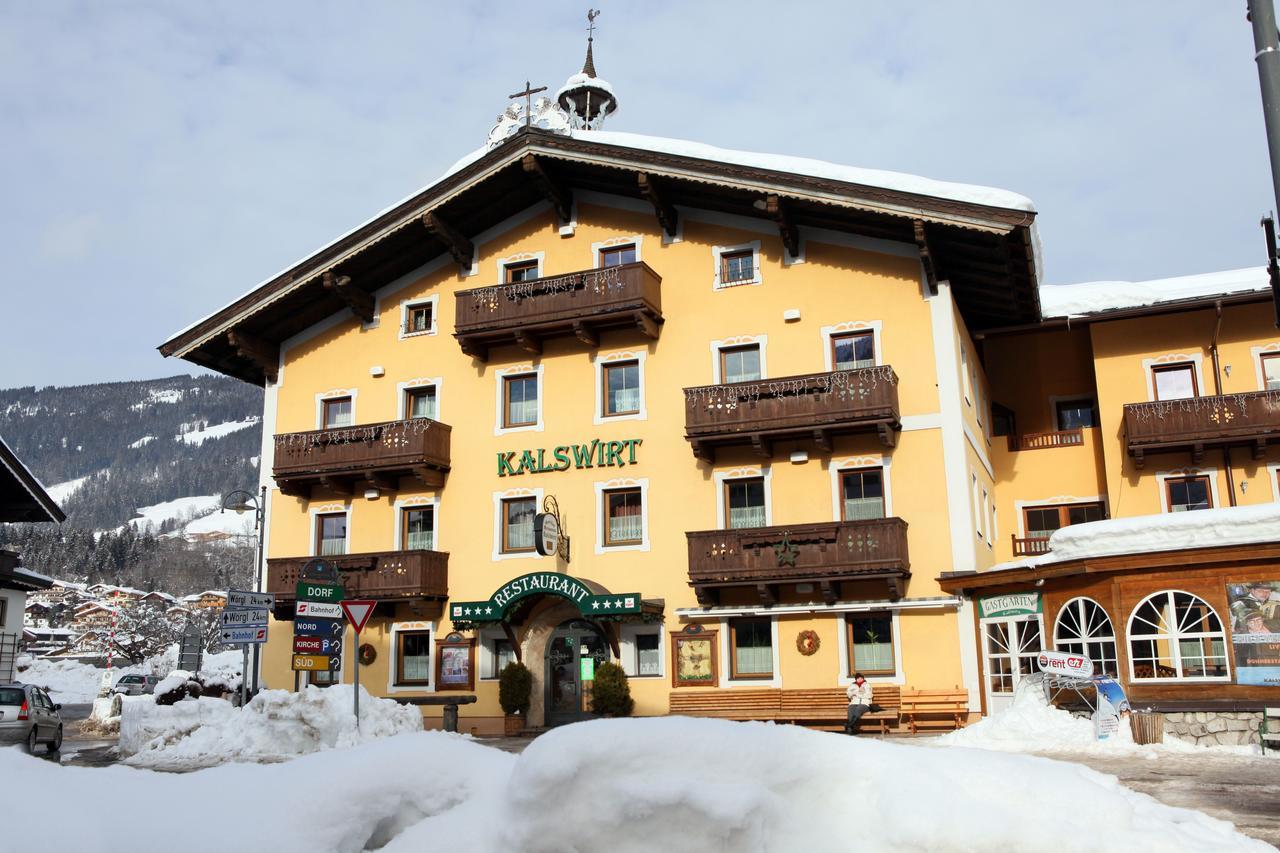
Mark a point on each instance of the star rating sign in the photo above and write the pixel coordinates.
(618, 603)
(488, 611)
(466, 611)
(595, 605)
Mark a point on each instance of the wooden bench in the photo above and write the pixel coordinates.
(822, 708)
(935, 708)
(829, 707)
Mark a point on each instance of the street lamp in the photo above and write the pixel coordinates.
(241, 502)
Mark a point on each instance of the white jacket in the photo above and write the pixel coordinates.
(859, 695)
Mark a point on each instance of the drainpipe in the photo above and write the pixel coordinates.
(1217, 390)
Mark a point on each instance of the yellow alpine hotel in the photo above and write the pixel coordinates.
(744, 424)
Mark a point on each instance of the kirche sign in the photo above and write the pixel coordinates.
(1064, 663)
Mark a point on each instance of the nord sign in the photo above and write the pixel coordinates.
(1062, 663)
(318, 627)
(597, 454)
(320, 592)
(318, 608)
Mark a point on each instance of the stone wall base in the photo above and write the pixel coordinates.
(1214, 728)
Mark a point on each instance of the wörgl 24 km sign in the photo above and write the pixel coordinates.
(244, 618)
(309, 627)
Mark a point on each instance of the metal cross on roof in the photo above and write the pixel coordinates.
(528, 94)
(592, 14)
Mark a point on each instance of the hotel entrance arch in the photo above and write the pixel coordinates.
(573, 652)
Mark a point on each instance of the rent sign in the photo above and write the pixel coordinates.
(597, 454)
(1063, 663)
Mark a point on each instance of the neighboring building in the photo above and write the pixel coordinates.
(765, 395)
(22, 498)
(209, 599)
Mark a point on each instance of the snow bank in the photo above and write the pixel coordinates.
(1031, 724)
(69, 682)
(1074, 300)
(274, 726)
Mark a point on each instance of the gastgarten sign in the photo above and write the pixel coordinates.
(597, 454)
(1012, 604)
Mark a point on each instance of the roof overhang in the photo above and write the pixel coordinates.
(22, 497)
(986, 253)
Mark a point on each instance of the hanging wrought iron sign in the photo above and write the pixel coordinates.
(549, 538)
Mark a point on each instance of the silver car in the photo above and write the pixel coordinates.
(28, 715)
(136, 685)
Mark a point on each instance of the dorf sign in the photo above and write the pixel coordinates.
(597, 454)
(1062, 663)
(1013, 604)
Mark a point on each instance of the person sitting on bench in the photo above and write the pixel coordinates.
(859, 694)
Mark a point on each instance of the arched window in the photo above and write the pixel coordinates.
(1084, 628)
(1177, 635)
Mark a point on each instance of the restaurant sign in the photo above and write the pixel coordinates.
(545, 583)
(597, 454)
(1013, 604)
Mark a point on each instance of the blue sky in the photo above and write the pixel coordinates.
(160, 158)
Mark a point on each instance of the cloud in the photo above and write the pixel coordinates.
(161, 158)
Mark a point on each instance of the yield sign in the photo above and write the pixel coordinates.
(358, 613)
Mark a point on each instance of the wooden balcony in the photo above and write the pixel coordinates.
(814, 406)
(1029, 546)
(1046, 440)
(379, 575)
(348, 459)
(824, 553)
(577, 304)
(1250, 420)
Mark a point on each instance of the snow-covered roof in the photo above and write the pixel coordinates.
(35, 576)
(1147, 534)
(1096, 297)
(39, 506)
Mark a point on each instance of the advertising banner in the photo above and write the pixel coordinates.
(1113, 706)
(1064, 663)
(1255, 631)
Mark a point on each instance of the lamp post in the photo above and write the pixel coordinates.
(241, 502)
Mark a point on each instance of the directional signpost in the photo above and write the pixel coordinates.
(317, 622)
(244, 624)
(358, 612)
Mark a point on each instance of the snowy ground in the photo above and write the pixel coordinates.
(618, 785)
(72, 682)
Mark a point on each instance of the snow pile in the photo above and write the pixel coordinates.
(1074, 300)
(1031, 724)
(69, 682)
(200, 436)
(274, 726)
(172, 681)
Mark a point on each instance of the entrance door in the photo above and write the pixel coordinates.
(574, 651)
(1011, 646)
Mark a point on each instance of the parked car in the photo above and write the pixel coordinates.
(28, 715)
(136, 685)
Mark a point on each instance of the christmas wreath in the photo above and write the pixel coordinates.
(368, 654)
(807, 642)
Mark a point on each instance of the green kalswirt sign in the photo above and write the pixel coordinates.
(545, 583)
(596, 454)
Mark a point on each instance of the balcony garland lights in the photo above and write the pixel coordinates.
(599, 281)
(395, 434)
(841, 384)
(1219, 408)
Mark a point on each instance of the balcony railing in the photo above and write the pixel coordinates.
(577, 304)
(1044, 440)
(379, 575)
(824, 553)
(1030, 546)
(1250, 419)
(816, 406)
(376, 455)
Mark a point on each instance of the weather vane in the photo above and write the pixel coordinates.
(592, 14)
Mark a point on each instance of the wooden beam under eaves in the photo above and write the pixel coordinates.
(359, 301)
(462, 249)
(786, 228)
(264, 355)
(662, 207)
(560, 196)
(926, 256)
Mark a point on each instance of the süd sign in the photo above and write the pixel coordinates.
(597, 454)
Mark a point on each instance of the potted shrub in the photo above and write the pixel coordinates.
(610, 693)
(515, 684)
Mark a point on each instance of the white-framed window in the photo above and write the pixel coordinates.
(643, 650)
(862, 492)
(411, 668)
(977, 515)
(496, 652)
(1174, 376)
(513, 512)
(336, 408)
(748, 651)
(1084, 628)
(743, 498)
(417, 524)
(852, 345)
(419, 398)
(622, 515)
(419, 316)
(617, 251)
(867, 647)
(620, 387)
(985, 513)
(330, 530)
(736, 265)
(1177, 636)
(739, 359)
(965, 376)
(1188, 489)
(518, 399)
(1266, 366)
(521, 267)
